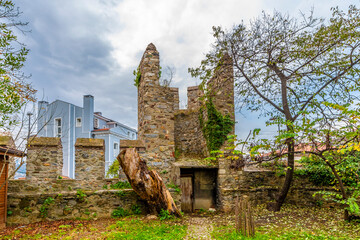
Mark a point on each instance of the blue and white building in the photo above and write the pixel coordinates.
(68, 121)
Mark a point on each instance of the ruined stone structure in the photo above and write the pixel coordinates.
(44, 161)
(173, 137)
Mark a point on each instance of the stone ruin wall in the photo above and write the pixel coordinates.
(44, 164)
(156, 105)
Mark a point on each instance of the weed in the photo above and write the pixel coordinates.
(80, 195)
(165, 215)
(105, 186)
(136, 209)
(121, 185)
(120, 212)
(120, 193)
(175, 187)
(45, 207)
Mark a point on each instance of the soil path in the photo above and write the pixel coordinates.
(199, 228)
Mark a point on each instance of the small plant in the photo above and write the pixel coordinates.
(165, 215)
(121, 185)
(164, 172)
(28, 209)
(59, 177)
(120, 193)
(45, 207)
(70, 188)
(105, 186)
(80, 195)
(9, 213)
(87, 212)
(136, 209)
(175, 187)
(119, 212)
(137, 78)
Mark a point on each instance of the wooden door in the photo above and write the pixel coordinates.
(186, 194)
(204, 189)
(3, 192)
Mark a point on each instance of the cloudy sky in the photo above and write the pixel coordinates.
(80, 47)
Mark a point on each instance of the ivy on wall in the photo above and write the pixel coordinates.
(215, 127)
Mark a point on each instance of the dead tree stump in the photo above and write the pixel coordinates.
(244, 219)
(146, 183)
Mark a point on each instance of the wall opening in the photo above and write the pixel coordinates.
(198, 188)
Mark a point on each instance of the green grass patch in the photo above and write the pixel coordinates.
(137, 229)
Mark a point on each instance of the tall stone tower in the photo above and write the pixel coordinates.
(156, 106)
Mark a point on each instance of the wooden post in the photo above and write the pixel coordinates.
(244, 219)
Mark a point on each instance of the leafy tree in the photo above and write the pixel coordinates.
(288, 68)
(14, 90)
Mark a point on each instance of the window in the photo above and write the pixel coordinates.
(78, 122)
(129, 134)
(58, 130)
(96, 123)
(133, 135)
(116, 146)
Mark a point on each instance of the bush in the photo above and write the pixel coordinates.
(120, 212)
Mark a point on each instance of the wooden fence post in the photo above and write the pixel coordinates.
(244, 219)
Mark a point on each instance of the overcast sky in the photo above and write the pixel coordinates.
(80, 47)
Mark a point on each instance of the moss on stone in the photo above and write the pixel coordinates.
(45, 141)
(89, 142)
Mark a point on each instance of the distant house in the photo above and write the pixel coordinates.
(68, 121)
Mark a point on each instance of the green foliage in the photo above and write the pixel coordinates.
(105, 186)
(45, 207)
(175, 187)
(120, 212)
(113, 171)
(121, 185)
(136, 209)
(216, 127)
(316, 170)
(165, 215)
(9, 213)
(137, 78)
(80, 195)
(120, 193)
(14, 90)
(137, 229)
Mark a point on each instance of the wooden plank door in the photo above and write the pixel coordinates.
(3, 193)
(186, 194)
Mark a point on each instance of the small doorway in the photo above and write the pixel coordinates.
(198, 188)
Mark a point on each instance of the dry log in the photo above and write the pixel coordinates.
(146, 183)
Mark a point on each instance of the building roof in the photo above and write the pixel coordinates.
(108, 120)
(11, 152)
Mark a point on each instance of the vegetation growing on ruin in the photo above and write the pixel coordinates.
(137, 78)
(215, 126)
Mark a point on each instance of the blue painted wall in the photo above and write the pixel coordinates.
(78, 122)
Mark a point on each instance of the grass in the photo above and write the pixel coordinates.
(294, 223)
(126, 228)
(290, 223)
(136, 229)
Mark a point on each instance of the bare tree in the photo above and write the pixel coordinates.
(287, 67)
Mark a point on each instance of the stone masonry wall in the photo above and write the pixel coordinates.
(261, 186)
(221, 87)
(89, 159)
(156, 114)
(25, 208)
(44, 158)
(189, 140)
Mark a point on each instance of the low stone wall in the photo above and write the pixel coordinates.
(26, 199)
(263, 186)
(55, 186)
(29, 208)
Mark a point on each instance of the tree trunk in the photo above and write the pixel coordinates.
(146, 183)
(276, 206)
